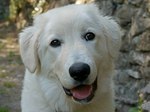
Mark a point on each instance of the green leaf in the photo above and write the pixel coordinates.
(134, 109)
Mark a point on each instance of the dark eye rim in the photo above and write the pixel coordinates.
(89, 36)
(55, 43)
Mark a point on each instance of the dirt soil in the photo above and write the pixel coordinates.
(11, 71)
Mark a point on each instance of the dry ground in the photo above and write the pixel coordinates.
(11, 71)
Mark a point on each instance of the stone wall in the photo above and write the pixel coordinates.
(132, 78)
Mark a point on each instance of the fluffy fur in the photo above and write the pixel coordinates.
(47, 67)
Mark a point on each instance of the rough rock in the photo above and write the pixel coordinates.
(143, 43)
(121, 76)
(133, 74)
(145, 72)
(135, 2)
(146, 106)
(118, 1)
(146, 90)
(138, 58)
(139, 25)
(124, 13)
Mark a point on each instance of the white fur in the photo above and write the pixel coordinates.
(47, 67)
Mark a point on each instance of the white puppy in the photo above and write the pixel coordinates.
(69, 54)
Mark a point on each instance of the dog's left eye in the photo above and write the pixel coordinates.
(55, 43)
(89, 36)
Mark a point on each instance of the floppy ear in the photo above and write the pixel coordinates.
(28, 48)
(113, 37)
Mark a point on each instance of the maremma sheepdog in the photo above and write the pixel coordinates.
(69, 55)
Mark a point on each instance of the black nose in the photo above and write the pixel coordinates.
(79, 71)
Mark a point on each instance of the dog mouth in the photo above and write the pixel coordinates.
(82, 93)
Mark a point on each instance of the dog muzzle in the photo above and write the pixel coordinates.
(82, 93)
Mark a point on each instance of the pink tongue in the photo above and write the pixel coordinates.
(81, 92)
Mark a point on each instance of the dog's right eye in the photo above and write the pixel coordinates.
(89, 36)
(55, 43)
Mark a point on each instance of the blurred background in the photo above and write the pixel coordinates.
(132, 78)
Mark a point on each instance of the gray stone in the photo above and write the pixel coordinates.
(143, 43)
(145, 71)
(121, 77)
(136, 58)
(122, 61)
(126, 46)
(129, 90)
(135, 41)
(146, 89)
(135, 2)
(133, 74)
(139, 58)
(118, 1)
(146, 106)
(139, 25)
(124, 13)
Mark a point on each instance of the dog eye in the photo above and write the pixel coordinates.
(89, 36)
(55, 43)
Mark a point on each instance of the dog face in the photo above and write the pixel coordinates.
(71, 44)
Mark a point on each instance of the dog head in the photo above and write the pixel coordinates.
(74, 44)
